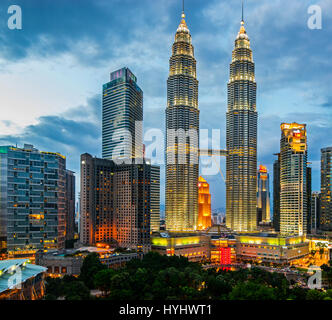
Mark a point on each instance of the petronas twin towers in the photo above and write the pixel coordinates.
(182, 130)
(182, 137)
(241, 138)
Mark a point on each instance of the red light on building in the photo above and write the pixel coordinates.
(225, 255)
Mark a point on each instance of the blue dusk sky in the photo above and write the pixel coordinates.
(52, 71)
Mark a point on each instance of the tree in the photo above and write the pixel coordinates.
(252, 291)
(91, 266)
(315, 295)
(54, 288)
(76, 290)
(102, 280)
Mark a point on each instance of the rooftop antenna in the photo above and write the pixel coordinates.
(242, 12)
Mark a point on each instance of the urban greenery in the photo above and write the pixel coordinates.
(158, 277)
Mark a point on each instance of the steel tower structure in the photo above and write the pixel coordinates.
(241, 138)
(182, 135)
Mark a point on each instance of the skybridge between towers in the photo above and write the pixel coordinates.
(213, 152)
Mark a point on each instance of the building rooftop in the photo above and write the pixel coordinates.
(20, 269)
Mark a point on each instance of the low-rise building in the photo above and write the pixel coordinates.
(118, 260)
(20, 280)
(60, 263)
(223, 250)
(271, 247)
(194, 246)
(69, 262)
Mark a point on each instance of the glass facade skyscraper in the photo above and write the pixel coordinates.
(155, 199)
(33, 207)
(263, 195)
(70, 205)
(122, 117)
(315, 212)
(293, 179)
(182, 135)
(326, 189)
(241, 139)
(276, 193)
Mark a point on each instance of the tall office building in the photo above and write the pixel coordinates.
(155, 199)
(293, 179)
(315, 212)
(326, 189)
(122, 117)
(263, 196)
(116, 202)
(70, 205)
(309, 218)
(276, 193)
(33, 206)
(182, 135)
(204, 205)
(241, 138)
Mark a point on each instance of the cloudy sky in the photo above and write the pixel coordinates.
(52, 71)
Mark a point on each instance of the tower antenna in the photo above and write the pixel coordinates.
(242, 12)
(182, 6)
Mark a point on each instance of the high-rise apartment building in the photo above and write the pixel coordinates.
(204, 205)
(241, 138)
(326, 189)
(33, 202)
(293, 179)
(155, 199)
(276, 193)
(263, 196)
(70, 205)
(122, 116)
(116, 202)
(315, 212)
(182, 135)
(309, 184)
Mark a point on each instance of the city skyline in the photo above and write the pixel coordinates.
(70, 132)
(170, 173)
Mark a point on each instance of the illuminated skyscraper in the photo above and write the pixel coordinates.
(155, 199)
(276, 193)
(33, 200)
(122, 116)
(70, 204)
(117, 202)
(263, 195)
(182, 126)
(204, 205)
(326, 189)
(241, 138)
(315, 212)
(309, 218)
(293, 179)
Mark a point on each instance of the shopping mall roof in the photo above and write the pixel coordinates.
(16, 271)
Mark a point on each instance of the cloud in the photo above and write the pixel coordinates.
(56, 65)
(70, 136)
